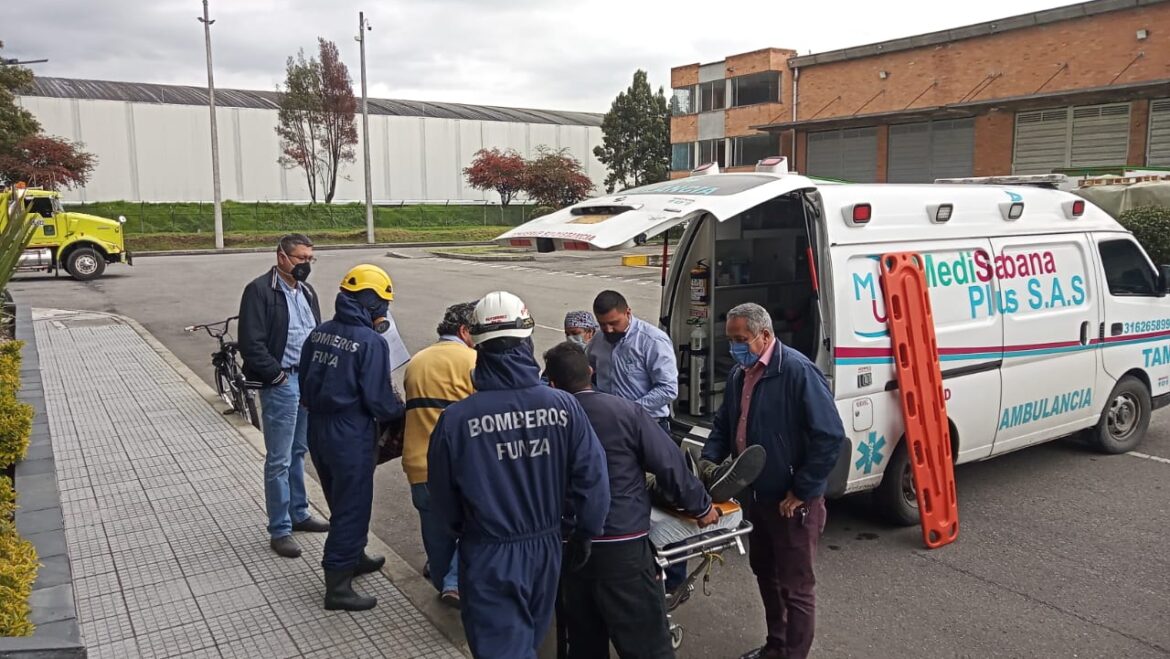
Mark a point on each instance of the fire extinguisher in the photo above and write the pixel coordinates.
(700, 284)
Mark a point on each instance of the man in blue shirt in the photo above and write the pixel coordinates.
(633, 359)
(278, 311)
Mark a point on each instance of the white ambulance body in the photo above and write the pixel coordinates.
(1049, 316)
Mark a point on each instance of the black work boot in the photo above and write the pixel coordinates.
(730, 478)
(339, 593)
(368, 564)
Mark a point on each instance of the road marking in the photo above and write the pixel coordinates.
(1155, 458)
(558, 330)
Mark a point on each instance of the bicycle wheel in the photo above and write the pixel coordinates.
(252, 414)
(223, 386)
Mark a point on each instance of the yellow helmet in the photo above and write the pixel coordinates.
(366, 277)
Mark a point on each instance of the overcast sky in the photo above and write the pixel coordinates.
(555, 54)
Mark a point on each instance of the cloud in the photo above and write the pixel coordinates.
(558, 54)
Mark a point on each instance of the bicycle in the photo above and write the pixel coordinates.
(233, 388)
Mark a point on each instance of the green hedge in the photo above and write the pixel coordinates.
(18, 557)
(144, 217)
(1151, 226)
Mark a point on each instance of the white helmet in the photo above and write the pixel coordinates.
(500, 314)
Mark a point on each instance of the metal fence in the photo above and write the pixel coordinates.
(199, 217)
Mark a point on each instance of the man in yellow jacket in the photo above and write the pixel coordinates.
(436, 377)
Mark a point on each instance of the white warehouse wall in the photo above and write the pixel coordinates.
(161, 152)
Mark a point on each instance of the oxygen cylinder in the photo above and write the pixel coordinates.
(698, 355)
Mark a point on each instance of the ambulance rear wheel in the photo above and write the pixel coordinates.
(895, 499)
(85, 264)
(1125, 418)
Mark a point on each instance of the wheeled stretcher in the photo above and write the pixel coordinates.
(677, 539)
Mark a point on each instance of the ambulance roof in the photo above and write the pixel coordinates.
(898, 212)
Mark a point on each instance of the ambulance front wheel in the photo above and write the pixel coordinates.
(895, 498)
(1125, 417)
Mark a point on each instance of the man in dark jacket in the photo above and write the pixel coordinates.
(345, 385)
(502, 464)
(616, 596)
(278, 310)
(778, 399)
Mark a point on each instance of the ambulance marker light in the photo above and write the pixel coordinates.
(861, 214)
(1011, 210)
(1078, 208)
(941, 213)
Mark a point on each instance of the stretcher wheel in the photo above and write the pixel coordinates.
(676, 635)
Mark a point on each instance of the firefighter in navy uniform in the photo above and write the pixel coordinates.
(505, 466)
(345, 385)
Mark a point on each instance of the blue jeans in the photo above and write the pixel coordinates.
(286, 427)
(436, 540)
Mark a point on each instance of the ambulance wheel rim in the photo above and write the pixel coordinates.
(1123, 416)
(908, 491)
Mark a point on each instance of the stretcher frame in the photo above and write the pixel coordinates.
(709, 547)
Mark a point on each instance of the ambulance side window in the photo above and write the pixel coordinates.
(1127, 271)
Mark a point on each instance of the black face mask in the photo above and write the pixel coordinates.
(300, 271)
(614, 337)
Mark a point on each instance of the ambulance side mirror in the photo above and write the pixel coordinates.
(1164, 280)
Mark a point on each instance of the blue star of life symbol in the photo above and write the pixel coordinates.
(870, 450)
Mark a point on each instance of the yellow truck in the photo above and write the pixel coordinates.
(80, 244)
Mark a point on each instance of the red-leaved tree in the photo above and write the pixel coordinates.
(502, 171)
(555, 178)
(49, 162)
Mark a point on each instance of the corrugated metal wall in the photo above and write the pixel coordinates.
(157, 152)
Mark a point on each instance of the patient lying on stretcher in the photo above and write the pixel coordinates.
(669, 526)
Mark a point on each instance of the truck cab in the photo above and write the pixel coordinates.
(79, 243)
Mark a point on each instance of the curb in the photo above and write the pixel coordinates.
(417, 590)
(319, 248)
(484, 257)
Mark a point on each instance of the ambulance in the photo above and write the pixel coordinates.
(1050, 317)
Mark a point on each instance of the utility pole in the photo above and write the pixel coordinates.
(214, 131)
(363, 27)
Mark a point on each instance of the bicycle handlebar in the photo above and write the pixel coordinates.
(212, 328)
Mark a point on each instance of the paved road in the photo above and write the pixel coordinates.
(1063, 552)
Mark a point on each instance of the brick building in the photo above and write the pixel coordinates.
(1087, 85)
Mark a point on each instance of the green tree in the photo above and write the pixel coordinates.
(16, 123)
(636, 136)
(315, 120)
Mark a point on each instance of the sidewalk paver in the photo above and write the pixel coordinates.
(164, 517)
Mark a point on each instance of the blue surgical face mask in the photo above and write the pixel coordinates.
(743, 354)
(579, 339)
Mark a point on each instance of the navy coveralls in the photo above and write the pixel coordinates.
(503, 462)
(345, 385)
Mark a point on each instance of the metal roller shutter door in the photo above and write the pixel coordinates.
(952, 149)
(1100, 135)
(849, 155)
(922, 152)
(824, 154)
(1041, 143)
(909, 158)
(1159, 144)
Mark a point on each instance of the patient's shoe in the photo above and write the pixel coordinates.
(729, 479)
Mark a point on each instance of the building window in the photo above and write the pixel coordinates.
(683, 101)
(682, 157)
(755, 88)
(712, 95)
(713, 151)
(753, 149)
